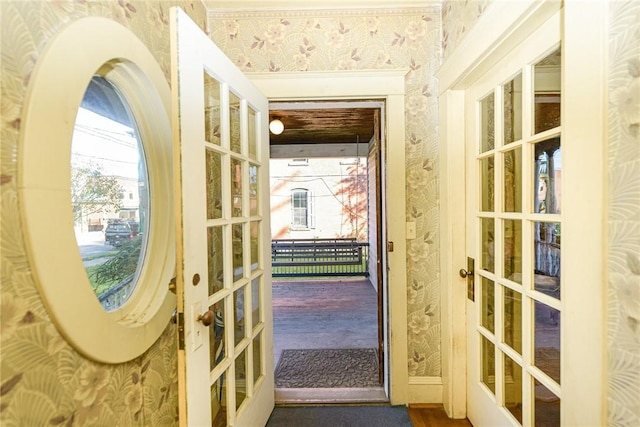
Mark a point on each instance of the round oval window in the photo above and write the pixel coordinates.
(109, 193)
(95, 188)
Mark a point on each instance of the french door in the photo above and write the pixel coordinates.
(514, 236)
(223, 234)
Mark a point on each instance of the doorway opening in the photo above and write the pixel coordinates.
(327, 229)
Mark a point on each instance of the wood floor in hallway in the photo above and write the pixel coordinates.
(433, 416)
(336, 313)
(326, 314)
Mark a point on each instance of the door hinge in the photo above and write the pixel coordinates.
(172, 286)
(389, 246)
(179, 321)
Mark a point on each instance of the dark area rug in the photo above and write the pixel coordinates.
(340, 416)
(328, 368)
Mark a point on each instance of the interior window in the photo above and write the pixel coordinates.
(109, 193)
(97, 144)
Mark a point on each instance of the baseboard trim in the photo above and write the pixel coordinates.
(425, 390)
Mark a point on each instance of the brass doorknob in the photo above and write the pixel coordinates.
(464, 273)
(206, 318)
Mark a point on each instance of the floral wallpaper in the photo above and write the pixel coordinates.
(43, 381)
(363, 40)
(624, 213)
(457, 19)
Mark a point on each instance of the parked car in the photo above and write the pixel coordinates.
(135, 227)
(117, 232)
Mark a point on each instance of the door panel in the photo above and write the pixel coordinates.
(223, 273)
(514, 176)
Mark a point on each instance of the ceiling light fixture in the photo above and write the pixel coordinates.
(276, 126)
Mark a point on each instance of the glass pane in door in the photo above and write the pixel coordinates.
(257, 358)
(487, 186)
(216, 336)
(512, 107)
(547, 84)
(487, 123)
(252, 125)
(238, 315)
(546, 340)
(512, 167)
(236, 187)
(241, 378)
(488, 363)
(512, 247)
(238, 251)
(546, 271)
(512, 387)
(512, 312)
(218, 403)
(548, 176)
(546, 406)
(253, 190)
(487, 302)
(487, 249)
(234, 125)
(213, 161)
(211, 109)
(215, 262)
(255, 302)
(254, 229)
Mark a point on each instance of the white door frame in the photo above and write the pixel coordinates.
(389, 86)
(502, 27)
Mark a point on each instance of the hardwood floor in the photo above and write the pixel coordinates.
(432, 416)
(334, 313)
(330, 313)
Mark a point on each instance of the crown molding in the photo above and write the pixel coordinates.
(284, 86)
(501, 28)
(276, 8)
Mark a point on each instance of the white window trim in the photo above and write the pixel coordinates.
(54, 96)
